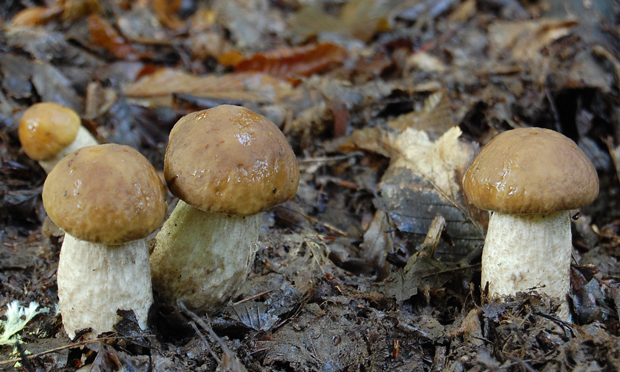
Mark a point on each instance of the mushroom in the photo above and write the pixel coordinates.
(226, 165)
(49, 131)
(107, 199)
(530, 178)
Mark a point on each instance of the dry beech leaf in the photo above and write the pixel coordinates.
(309, 21)
(377, 242)
(422, 271)
(426, 62)
(35, 16)
(525, 39)
(53, 86)
(358, 18)
(244, 87)
(463, 11)
(434, 118)
(74, 10)
(98, 100)
(425, 181)
(363, 18)
(373, 139)
(166, 10)
(104, 35)
(298, 61)
(230, 58)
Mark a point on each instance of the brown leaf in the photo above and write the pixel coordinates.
(104, 35)
(309, 21)
(74, 10)
(53, 86)
(434, 118)
(373, 139)
(358, 18)
(230, 58)
(166, 10)
(363, 18)
(299, 61)
(377, 242)
(35, 16)
(244, 87)
(425, 181)
(526, 39)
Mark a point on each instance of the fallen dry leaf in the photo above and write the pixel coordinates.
(526, 39)
(166, 10)
(426, 62)
(35, 16)
(434, 118)
(377, 242)
(373, 139)
(425, 181)
(244, 86)
(104, 35)
(74, 10)
(292, 62)
(358, 18)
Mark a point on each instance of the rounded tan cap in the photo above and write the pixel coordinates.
(105, 194)
(47, 128)
(230, 160)
(531, 170)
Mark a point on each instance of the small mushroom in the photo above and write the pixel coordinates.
(226, 165)
(49, 131)
(530, 178)
(107, 199)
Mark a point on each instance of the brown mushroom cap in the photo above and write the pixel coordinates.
(531, 170)
(46, 128)
(230, 160)
(105, 194)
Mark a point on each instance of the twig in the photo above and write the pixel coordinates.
(252, 297)
(325, 159)
(450, 271)
(24, 357)
(219, 361)
(554, 109)
(229, 361)
(76, 344)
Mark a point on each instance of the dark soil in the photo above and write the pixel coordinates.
(374, 266)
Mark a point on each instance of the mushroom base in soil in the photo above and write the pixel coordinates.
(86, 303)
(201, 258)
(528, 252)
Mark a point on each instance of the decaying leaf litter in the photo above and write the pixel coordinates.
(375, 264)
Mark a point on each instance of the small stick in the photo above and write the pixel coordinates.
(76, 344)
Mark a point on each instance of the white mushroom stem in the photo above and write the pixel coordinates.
(202, 257)
(525, 252)
(95, 280)
(83, 139)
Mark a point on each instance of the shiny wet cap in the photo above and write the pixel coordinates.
(105, 194)
(531, 170)
(230, 160)
(46, 128)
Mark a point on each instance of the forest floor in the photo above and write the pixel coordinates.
(375, 264)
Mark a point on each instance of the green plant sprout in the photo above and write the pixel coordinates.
(16, 319)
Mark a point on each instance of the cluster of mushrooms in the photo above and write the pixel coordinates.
(227, 165)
